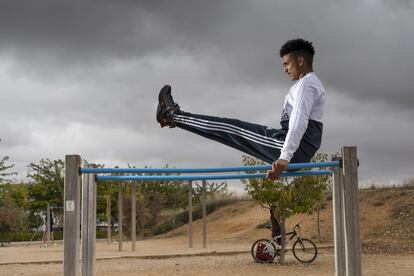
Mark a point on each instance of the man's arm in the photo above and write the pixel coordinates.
(278, 166)
(298, 123)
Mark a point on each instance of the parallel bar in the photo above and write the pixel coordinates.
(292, 166)
(204, 177)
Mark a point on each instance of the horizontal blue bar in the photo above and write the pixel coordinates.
(203, 177)
(207, 170)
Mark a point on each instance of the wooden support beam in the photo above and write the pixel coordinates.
(338, 215)
(352, 231)
(71, 227)
(88, 227)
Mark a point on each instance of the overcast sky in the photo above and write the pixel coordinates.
(83, 77)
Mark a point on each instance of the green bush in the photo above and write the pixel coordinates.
(7, 237)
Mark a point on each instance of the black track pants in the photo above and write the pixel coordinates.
(259, 141)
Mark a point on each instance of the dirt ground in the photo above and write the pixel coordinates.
(231, 231)
(237, 264)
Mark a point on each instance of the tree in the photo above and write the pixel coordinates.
(285, 196)
(213, 190)
(47, 186)
(4, 173)
(143, 215)
(13, 201)
(324, 179)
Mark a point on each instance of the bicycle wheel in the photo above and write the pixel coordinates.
(304, 250)
(263, 251)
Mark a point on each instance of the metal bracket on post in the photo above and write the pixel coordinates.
(338, 158)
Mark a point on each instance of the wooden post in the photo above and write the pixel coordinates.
(338, 215)
(108, 228)
(71, 218)
(190, 213)
(203, 203)
(351, 208)
(88, 224)
(133, 216)
(120, 196)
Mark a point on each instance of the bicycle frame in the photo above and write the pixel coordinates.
(299, 245)
(294, 233)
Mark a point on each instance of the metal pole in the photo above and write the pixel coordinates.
(108, 210)
(48, 224)
(71, 218)
(352, 232)
(120, 196)
(190, 213)
(209, 170)
(338, 215)
(133, 216)
(203, 202)
(205, 177)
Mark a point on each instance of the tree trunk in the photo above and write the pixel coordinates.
(318, 225)
(283, 242)
(320, 206)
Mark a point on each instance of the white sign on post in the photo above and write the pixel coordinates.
(70, 205)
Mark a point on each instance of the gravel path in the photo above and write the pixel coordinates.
(240, 264)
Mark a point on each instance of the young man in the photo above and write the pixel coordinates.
(300, 134)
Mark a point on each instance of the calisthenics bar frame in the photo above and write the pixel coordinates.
(345, 201)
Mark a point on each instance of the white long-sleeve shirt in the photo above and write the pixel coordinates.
(305, 101)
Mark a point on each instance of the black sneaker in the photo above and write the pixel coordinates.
(166, 107)
(165, 98)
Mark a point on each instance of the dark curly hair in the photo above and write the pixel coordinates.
(300, 46)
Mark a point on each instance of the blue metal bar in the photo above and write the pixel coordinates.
(293, 166)
(203, 177)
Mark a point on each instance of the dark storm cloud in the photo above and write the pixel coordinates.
(86, 31)
(82, 76)
(363, 48)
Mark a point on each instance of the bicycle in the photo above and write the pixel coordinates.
(265, 251)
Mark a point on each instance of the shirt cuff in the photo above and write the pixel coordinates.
(285, 156)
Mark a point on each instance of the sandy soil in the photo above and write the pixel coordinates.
(239, 264)
(231, 231)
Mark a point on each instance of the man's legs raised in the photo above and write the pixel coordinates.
(257, 140)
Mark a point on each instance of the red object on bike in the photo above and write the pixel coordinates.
(261, 254)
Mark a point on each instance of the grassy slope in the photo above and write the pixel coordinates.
(387, 222)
